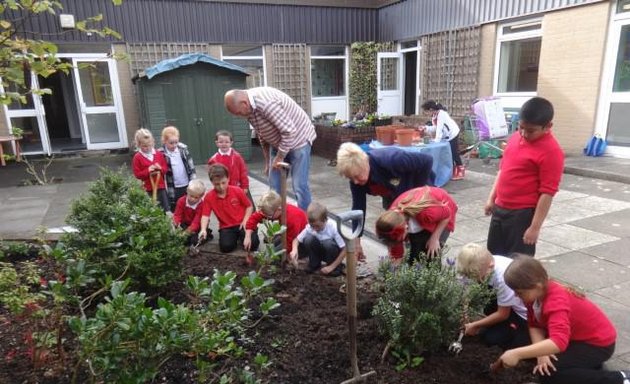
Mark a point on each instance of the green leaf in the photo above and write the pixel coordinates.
(5, 24)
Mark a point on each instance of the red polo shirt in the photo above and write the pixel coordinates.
(229, 209)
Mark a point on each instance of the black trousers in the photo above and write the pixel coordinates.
(318, 251)
(581, 363)
(418, 243)
(507, 227)
(510, 333)
(454, 142)
(192, 238)
(230, 237)
(162, 199)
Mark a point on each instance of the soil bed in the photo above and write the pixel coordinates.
(306, 339)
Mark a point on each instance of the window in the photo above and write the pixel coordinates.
(250, 58)
(328, 70)
(518, 52)
(623, 6)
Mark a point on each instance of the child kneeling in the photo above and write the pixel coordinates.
(320, 241)
(188, 210)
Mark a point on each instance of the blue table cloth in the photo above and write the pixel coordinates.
(441, 153)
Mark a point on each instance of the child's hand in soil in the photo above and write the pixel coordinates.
(471, 329)
(510, 358)
(326, 270)
(544, 366)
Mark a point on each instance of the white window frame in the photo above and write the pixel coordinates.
(418, 50)
(606, 97)
(513, 99)
(346, 78)
(236, 58)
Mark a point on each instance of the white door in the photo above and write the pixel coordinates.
(30, 118)
(389, 79)
(98, 96)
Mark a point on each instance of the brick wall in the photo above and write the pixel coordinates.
(487, 47)
(330, 138)
(571, 62)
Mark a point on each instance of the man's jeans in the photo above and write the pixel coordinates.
(300, 160)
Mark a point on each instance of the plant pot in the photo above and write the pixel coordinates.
(386, 135)
(404, 136)
(382, 122)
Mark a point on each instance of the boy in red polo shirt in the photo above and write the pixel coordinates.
(231, 207)
(528, 178)
(270, 208)
(188, 209)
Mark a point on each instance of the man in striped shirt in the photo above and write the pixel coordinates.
(285, 132)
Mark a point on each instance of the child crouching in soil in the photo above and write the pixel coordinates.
(188, 210)
(270, 208)
(320, 241)
(506, 322)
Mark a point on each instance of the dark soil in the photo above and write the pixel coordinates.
(306, 339)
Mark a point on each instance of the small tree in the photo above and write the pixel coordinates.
(23, 51)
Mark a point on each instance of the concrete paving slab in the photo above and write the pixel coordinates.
(617, 292)
(471, 230)
(614, 251)
(545, 249)
(563, 212)
(618, 315)
(572, 237)
(614, 223)
(588, 272)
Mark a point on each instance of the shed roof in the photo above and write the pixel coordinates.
(188, 59)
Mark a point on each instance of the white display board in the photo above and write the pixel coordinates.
(490, 118)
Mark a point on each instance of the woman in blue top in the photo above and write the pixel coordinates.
(446, 129)
(385, 172)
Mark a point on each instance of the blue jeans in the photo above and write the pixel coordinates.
(300, 160)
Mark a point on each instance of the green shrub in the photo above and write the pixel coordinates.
(127, 341)
(122, 232)
(422, 306)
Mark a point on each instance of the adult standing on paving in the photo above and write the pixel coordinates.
(386, 172)
(285, 132)
(528, 178)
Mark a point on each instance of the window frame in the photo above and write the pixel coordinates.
(346, 77)
(237, 58)
(514, 99)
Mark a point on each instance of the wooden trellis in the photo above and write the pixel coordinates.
(450, 68)
(291, 72)
(144, 55)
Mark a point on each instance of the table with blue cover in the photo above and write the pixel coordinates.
(441, 153)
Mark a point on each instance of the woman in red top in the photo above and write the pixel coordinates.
(424, 216)
(571, 336)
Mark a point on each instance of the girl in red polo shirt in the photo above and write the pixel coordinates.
(424, 216)
(571, 336)
(148, 163)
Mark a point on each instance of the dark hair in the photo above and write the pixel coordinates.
(537, 110)
(524, 272)
(218, 171)
(432, 104)
(224, 133)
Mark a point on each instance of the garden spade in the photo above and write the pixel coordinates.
(155, 181)
(284, 169)
(351, 285)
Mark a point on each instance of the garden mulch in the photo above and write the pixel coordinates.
(306, 338)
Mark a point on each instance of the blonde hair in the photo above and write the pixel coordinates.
(169, 131)
(143, 136)
(316, 212)
(407, 207)
(351, 160)
(473, 260)
(196, 187)
(269, 203)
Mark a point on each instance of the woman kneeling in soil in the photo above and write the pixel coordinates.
(424, 216)
(506, 322)
(571, 336)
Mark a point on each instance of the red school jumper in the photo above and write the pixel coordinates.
(230, 209)
(188, 215)
(237, 169)
(296, 222)
(140, 166)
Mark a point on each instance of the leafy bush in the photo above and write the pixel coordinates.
(127, 341)
(123, 233)
(422, 306)
(18, 291)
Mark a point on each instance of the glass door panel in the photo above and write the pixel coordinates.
(621, 82)
(31, 139)
(389, 101)
(99, 103)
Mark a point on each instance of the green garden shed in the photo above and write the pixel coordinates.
(187, 92)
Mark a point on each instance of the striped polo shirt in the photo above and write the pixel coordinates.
(278, 120)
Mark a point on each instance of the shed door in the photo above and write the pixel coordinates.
(98, 95)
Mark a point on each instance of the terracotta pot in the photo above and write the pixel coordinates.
(404, 137)
(386, 134)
